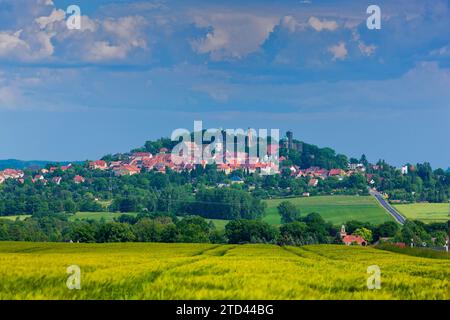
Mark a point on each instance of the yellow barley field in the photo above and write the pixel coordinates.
(205, 271)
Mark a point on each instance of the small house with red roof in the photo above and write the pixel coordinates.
(78, 179)
(98, 165)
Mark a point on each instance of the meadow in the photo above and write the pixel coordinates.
(426, 212)
(335, 209)
(205, 271)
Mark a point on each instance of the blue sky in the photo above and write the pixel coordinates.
(139, 69)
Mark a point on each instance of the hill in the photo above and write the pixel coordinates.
(205, 271)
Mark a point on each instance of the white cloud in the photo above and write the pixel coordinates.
(115, 39)
(233, 35)
(102, 50)
(339, 51)
(318, 25)
(366, 50)
(290, 23)
(48, 21)
(11, 43)
(443, 51)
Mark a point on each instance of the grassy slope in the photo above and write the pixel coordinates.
(336, 209)
(204, 271)
(426, 212)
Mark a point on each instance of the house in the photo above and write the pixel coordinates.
(78, 179)
(65, 168)
(126, 170)
(313, 182)
(98, 165)
(351, 239)
(305, 194)
(336, 172)
(404, 169)
(40, 178)
(141, 155)
(53, 169)
(12, 174)
(355, 166)
(236, 180)
(114, 164)
(2, 179)
(57, 180)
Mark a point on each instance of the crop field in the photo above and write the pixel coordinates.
(426, 212)
(205, 271)
(335, 209)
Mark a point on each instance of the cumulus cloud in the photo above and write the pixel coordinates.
(339, 51)
(290, 23)
(319, 25)
(48, 21)
(232, 35)
(97, 40)
(120, 37)
(11, 43)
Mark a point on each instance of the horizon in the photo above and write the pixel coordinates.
(136, 70)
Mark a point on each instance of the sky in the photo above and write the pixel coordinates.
(137, 70)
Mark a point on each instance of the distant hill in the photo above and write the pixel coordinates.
(20, 164)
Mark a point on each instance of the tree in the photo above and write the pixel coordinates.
(115, 232)
(288, 211)
(387, 229)
(81, 231)
(294, 233)
(364, 233)
(193, 229)
(70, 206)
(250, 231)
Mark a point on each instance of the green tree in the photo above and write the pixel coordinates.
(366, 234)
(288, 211)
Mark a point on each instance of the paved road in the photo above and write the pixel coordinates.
(397, 216)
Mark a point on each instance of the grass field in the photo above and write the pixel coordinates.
(14, 218)
(204, 271)
(426, 212)
(335, 209)
(107, 216)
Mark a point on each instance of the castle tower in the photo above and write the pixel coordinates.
(290, 136)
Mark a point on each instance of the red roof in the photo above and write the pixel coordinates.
(78, 179)
(349, 239)
(335, 172)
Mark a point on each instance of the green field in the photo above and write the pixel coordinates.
(107, 216)
(335, 209)
(426, 212)
(14, 218)
(205, 271)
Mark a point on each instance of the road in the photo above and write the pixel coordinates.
(386, 205)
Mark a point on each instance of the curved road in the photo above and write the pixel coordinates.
(386, 205)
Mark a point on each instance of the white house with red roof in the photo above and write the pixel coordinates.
(126, 170)
(78, 179)
(98, 165)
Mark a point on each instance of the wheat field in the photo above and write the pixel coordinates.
(205, 271)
